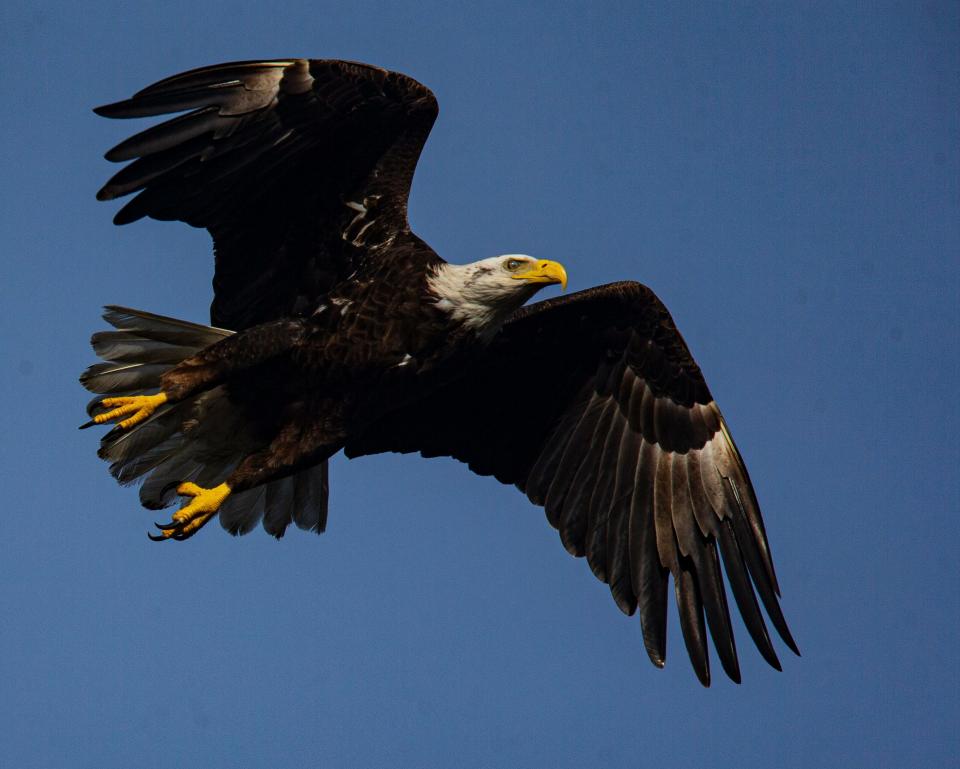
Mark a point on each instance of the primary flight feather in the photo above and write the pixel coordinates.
(336, 328)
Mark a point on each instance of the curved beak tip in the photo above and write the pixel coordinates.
(555, 272)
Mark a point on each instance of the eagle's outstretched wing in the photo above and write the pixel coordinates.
(289, 164)
(593, 406)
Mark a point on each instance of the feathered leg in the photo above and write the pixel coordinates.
(203, 371)
(311, 434)
(209, 368)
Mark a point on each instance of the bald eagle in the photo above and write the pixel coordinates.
(334, 327)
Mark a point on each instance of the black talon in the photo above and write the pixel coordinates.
(156, 538)
(167, 526)
(85, 425)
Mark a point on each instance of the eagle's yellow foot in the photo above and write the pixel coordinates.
(138, 407)
(188, 520)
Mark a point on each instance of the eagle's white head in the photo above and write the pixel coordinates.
(482, 295)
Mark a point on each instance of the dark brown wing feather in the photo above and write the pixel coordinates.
(275, 159)
(593, 406)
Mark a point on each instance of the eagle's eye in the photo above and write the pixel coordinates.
(512, 264)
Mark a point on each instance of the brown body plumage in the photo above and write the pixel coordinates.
(353, 334)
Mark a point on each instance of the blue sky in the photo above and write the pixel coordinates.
(787, 181)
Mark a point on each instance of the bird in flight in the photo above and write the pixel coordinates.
(334, 327)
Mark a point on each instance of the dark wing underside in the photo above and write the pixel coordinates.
(593, 406)
(298, 168)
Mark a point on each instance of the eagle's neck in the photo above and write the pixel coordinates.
(470, 299)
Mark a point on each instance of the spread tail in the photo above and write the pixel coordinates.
(200, 439)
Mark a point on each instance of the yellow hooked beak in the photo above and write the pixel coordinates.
(544, 271)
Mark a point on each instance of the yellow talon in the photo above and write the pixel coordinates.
(190, 519)
(139, 406)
